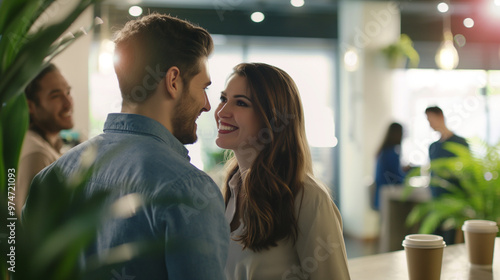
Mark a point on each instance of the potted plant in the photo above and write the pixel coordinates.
(24, 52)
(400, 52)
(477, 197)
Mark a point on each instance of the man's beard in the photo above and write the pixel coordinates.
(48, 122)
(184, 120)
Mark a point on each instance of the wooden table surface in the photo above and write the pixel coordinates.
(392, 266)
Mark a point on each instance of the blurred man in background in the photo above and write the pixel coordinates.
(437, 150)
(51, 110)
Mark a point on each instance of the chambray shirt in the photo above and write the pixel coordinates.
(137, 155)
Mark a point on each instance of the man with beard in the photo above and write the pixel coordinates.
(51, 110)
(161, 65)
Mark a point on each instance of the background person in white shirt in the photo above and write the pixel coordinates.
(51, 110)
(284, 224)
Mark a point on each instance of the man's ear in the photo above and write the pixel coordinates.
(31, 106)
(173, 82)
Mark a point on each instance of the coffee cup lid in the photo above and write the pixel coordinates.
(480, 226)
(424, 241)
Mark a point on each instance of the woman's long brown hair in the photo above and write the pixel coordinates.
(283, 158)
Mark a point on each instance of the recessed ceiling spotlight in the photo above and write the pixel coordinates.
(468, 22)
(257, 17)
(135, 11)
(443, 7)
(297, 3)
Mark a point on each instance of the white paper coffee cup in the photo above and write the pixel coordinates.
(479, 238)
(480, 226)
(424, 256)
(424, 241)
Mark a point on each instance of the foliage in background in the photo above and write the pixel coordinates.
(27, 44)
(56, 228)
(61, 221)
(401, 51)
(477, 197)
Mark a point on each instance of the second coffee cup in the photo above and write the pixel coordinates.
(480, 241)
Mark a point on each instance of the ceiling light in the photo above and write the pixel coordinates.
(447, 55)
(297, 3)
(135, 11)
(443, 7)
(257, 17)
(468, 22)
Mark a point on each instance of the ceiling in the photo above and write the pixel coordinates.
(317, 18)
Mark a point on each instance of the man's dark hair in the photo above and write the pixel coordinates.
(434, 109)
(147, 47)
(34, 86)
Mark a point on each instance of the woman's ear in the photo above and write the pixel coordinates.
(173, 82)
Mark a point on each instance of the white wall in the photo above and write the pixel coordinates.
(365, 109)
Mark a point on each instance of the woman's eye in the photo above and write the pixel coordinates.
(241, 103)
(222, 99)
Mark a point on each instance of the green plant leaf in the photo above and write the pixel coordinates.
(431, 222)
(403, 48)
(22, 56)
(13, 125)
(16, 29)
(9, 11)
(32, 54)
(477, 196)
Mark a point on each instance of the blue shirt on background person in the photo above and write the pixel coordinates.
(149, 161)
(437, 122)
(388, 171)
(437, 151)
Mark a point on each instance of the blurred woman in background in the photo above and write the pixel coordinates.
(388, 169)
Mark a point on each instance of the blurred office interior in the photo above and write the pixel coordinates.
(351, 90)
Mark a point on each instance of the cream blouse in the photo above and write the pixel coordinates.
(318, 254)
(36, 154)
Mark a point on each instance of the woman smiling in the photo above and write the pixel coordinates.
(284, 224)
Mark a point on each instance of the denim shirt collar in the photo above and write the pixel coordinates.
(139, 124)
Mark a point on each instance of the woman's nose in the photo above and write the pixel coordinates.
(223, 111)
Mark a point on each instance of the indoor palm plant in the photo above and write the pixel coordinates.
(25, 49)
(477, 197)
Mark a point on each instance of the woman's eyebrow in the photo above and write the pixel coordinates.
(243, 96)
(223, 93)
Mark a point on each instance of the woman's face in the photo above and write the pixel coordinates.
(237, 120)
